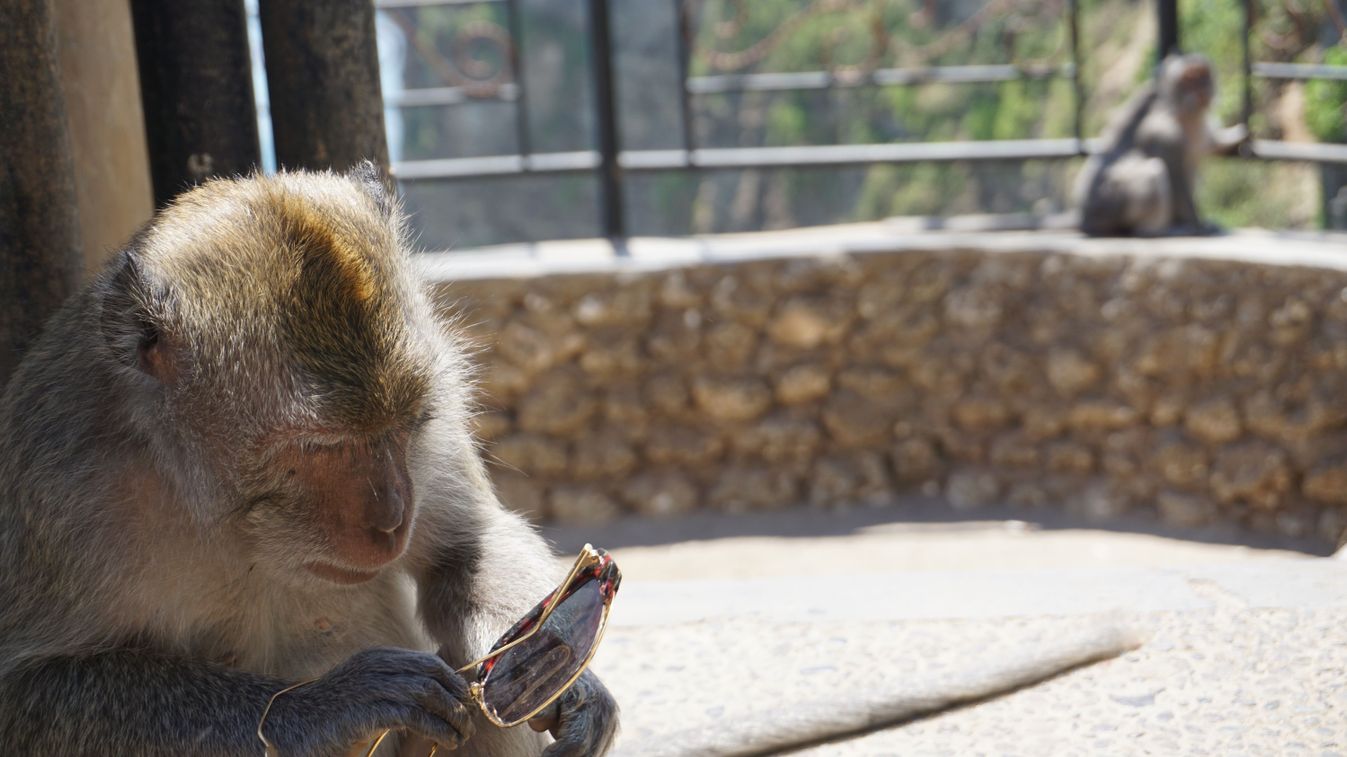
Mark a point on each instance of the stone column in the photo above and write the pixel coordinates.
(197, 87)
(40, 259)
(323, 76)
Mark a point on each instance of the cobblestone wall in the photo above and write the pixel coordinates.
(1203, 389)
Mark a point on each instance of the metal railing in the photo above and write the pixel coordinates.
(611, 163)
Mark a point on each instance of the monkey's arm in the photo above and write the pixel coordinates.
(139, 703)
(127, 702)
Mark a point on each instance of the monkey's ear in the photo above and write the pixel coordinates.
(129, 328)
(376, 182)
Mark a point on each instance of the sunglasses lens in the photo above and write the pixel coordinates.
(528, 675)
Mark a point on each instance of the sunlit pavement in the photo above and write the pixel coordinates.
(735, 634)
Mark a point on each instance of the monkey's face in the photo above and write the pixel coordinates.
(1190, 83)
(328, 501)
(1197, 87)
(358, 381)
(290, 347)
(341, 505)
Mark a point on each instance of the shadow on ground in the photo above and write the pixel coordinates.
(927, 514)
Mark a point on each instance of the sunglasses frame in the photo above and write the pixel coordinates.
(590, 558)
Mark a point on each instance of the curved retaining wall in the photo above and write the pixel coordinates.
(1031, 369)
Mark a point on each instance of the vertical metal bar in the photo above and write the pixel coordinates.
(1167, 17)
(1077, 89)
(683, 16)
(521, 113)
(1248, 63)
(605, 112)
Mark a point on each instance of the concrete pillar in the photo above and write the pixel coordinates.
(197, 87)
(97, 53)
(323, 76)
(40, 260)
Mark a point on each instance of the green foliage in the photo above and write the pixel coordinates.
(1034, 33)
(1326, 102)
(1235, 193)
(786, 124)
(769, 36)
(1217, 30)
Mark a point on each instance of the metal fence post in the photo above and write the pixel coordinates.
(1167, 15)
(685, 41)
(611, 218)
(1077, 87)
(1246, 111)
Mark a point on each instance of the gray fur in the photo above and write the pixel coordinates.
(150, 597)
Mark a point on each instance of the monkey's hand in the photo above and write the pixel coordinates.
(1230, 140)
(373, 690)
(583, 721)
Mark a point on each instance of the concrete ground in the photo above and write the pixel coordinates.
(900, 631)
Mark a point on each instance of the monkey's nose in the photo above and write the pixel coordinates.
(388, 511)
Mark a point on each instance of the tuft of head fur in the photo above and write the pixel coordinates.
(299, 281)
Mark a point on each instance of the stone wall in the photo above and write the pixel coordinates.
(1200, 388)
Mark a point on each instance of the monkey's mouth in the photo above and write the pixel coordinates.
(339, 575)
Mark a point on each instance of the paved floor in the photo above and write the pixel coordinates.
(1229, 680)
(750, 635)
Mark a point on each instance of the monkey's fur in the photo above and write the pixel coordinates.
(1143, 181)
(240, 459)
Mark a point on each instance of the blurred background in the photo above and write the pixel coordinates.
(467, 81)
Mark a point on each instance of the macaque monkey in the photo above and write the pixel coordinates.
(240, 460)
(1143, 181)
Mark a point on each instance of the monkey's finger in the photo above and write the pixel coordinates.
(588, 721)
(548, 719)
(422, 723)
(442, 704)
(581, 737)
(447, 677)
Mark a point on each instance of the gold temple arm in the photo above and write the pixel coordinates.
(269, 748)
